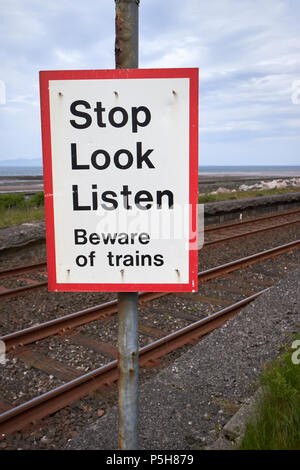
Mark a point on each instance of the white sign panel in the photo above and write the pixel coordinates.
(120, 177)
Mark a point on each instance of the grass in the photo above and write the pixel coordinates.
(15, 209)
(244, 194)
(275, 425)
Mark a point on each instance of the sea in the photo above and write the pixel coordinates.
(250, 169)
(279, 170)
(21, 170)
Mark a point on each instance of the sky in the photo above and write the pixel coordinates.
(247, 52)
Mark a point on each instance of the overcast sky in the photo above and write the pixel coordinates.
(247, 51)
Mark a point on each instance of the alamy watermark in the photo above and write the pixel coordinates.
(2, 353)
(184, 222)
(296, 354)
(2, 92)
(295, 97)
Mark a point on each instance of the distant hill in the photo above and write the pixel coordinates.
(22, 162)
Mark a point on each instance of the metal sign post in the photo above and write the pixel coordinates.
(126, 55)
(115, 219)
(128, 367)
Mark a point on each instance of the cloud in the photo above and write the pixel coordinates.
(231, 126)
(248, 54)
(68, 57)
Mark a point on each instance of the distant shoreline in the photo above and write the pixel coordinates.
(254, 174)
(30, 179)
(27, 172)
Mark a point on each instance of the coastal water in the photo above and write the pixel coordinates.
(21, 171)
(280, 170)
(254, 169)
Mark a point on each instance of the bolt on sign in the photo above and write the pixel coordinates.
(120, 156)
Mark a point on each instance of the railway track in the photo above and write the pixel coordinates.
(21, 416)
(232, 231)
(107, 375)
(68, 322)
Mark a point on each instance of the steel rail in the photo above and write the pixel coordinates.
(73, 320)
(253, 232)
(247, 222)
(68, 322)
(24, 289)
(22, 269)
(43, 264)
(39, 285)
(37, 266)
(48, 403)
(247, 261)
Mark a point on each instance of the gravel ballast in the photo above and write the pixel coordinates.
(187, 404)
(214, 409)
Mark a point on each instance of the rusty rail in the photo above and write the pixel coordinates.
(252, 221)
(247, 261)
(41, 265)
(22, 269)
(42, 406)
(253, 232)
(73, 320)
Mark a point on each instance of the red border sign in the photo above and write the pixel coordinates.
(192, 75)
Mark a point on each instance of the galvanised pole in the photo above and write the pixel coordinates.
(126, 55)
(128, 368)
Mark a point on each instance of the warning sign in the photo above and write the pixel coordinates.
(120, 154)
